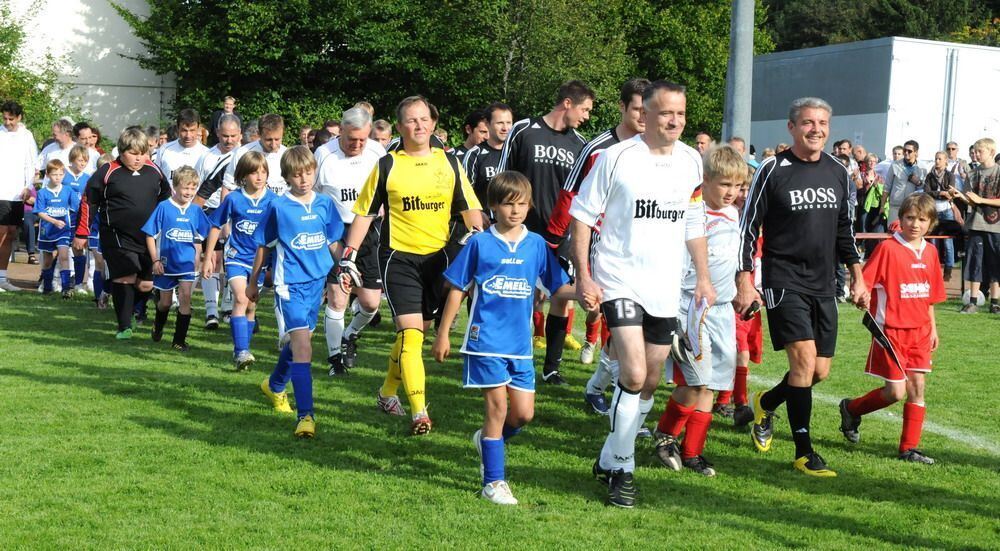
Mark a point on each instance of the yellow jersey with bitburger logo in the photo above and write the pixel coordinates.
(420, 195)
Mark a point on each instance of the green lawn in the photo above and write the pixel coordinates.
(126, 445)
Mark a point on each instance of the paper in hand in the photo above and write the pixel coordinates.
(881, 338)
(695, 320)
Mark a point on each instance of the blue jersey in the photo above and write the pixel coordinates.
(301, 235)
(78, 182)
(501, 276)
(244, 214)
(59, 204)
(176, 230)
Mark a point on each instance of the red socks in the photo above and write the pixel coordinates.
(538, 319)
(913, 425)
(593, 331)
(873, 401)
(740, 385)
(696, 433)
(724, 397)
(674, 418)
(569, 321)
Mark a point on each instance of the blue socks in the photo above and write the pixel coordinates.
(302, 383)
(279, 377)
(241, 333)
(98, 283)
(47, 275)
(493, 460)
(510, 432)
(65, 280)
(79, 268)
(251, 329)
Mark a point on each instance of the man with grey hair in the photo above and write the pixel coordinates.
(62, 134)
(799, 199)
(345, 163)
(959, 168)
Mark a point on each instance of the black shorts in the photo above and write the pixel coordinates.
(982, 257)
(11, 213)
(413, 283)
(367, 260)
(623, 312)
(123, 262)
(793, 316)
(220, 243)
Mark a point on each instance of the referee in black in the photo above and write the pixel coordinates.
(799, 197)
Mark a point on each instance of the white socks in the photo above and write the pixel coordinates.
(334, 327)
(210, 288)
(359, 321)
(619, 447)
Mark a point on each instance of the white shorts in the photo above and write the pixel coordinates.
(717, 367)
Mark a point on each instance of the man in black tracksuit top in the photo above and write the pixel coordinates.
(799, 199)
(123, 194)
(544, 149)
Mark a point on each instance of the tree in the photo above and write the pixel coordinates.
(37, 89)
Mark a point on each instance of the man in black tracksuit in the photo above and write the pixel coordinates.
(799, 198)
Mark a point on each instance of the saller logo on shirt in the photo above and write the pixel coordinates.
(802, 199)
(508, 287)
(914, 290)
(649, 208)
(309, 241)
(180, 235)
(246, 226)
(414, 202)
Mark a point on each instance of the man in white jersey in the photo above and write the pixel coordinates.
(187, 149)
(647, 187)
(84, 135)
(62, 132)
(346, 163)
(271, 129)
(17, 173)
(211, 169)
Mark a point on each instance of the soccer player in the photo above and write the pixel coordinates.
(382, 132)
(54, 207)
(86, 136)
(476, 130)
(100, 285)
(211, 169)
(345, 167)
(420, 187)
(630, 123)
(500, 267)
(173, 233)
(243, 211)
(187, 149)
(17, 175)
(125, 192)
(801, 187)
(76, 176)
(272, 132)
(690, 405)
(647, 188)
(544, 149)
(905, 274)
(62, 133)
(481, 161)
(303, 227)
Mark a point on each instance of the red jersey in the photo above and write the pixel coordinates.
(904, 283)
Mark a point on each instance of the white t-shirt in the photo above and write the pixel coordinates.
(174, 155)
(17, 162)
(208, 165)
(274, 180)
(49, 153)
(723, 230)
(342, 177)
(334, 145)
(652, 206)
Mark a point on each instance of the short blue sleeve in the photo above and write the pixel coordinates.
(41, 201)
(267, 231)
(462, 271)
(154, 224)
(552, 275)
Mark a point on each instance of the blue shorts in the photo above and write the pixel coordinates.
(53, 246)
(298, 303)
(493, 371)
(169, 282)
(234, 271)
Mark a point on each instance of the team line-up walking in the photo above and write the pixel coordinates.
(673, 251)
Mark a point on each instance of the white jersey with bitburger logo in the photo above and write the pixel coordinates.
(342, 177)
(652, 206)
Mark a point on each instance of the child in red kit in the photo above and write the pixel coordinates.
(905, 277)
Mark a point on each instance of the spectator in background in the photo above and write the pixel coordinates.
(905, 177)
(958, 167)
(780, 147)
(367, 107)
(333, 127)
(871, 194)
(768, 152)
(28, 226)
(228, 108)
(382, 132)
(940, 185)
(251, 132)
(982, 253)
(83, 135)
(740, 145)
(973, 159)
(852, 203)
(304, 136)
(703, 141)
(860, 155)
(442, 135)
(897, 153)
(95, 142)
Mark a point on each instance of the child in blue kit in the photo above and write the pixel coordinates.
(173, 232)
(76, 178)
(500, 267)
(54, 206)
(303, 227)
(243, 210)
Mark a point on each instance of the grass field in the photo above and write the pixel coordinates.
(130, 445)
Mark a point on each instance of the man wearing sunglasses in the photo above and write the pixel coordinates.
(959, 168)
(905, 177)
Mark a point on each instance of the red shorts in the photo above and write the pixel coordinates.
(913, 348)
(750, 337)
